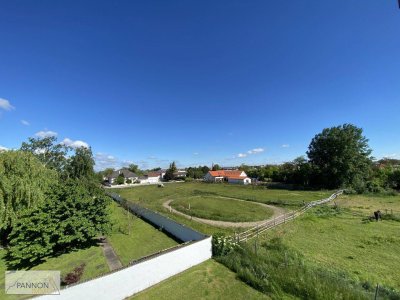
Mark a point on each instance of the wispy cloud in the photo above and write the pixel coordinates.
(195, 153)
(285, 146)
(45, 133)
(255, 151)
(5, 104)
(250, 152)
(2, 148)
(24, 122)
(74, 144)
(392, 155)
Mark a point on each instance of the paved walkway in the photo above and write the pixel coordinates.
(277, 211)
(111, 257)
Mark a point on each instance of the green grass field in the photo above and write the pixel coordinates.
(345, 242)
(133, 238)
(153, 197)
(209, 280)
(222, 209)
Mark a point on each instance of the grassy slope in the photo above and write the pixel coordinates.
(367, 251)
(140, 240)
(224, 209)
(209, 280)
(153, 198)
(93, 258)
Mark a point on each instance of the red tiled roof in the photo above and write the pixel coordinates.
(226, 173)
(153, 174)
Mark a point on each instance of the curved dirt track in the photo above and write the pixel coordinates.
(277, 211)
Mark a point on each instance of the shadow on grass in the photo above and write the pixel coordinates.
(27, 264)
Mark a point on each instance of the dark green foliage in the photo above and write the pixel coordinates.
(48, 151)
(197, 172)
(216, 167)
(341, 157)
(120, 179)
(169, 174)
(81, 164)
(135, 169)
(277, 271)
(73, 214)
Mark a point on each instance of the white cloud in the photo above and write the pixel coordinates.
(242, 155)
(255, 151)
(196, 153)
(285, 146)
(3, 148)
(74, 144)
(5, 104)
(45, 133)
(24, 122)
(392, 156)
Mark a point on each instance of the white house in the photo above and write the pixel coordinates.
(151, 177)
(230, 176)
(128, 176)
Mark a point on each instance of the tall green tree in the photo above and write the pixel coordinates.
(340, 156)
(169, 174)
(52, 154)
(135, 169)
(71, 217)
(24, 181)
(81, 164)
(216, 167)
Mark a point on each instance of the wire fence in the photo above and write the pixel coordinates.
(282, 219)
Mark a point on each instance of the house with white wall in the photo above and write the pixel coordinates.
(128, 175)
(230, 176)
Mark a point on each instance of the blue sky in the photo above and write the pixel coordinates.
(228, 82)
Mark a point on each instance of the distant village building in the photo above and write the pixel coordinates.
(180, 174)
(230, 176)
(151, 177)
(128, 175)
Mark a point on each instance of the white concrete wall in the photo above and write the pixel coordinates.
(133, 279)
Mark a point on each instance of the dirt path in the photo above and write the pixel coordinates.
(111, 257)
(277, 211)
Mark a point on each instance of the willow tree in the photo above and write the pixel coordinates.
(24, 182)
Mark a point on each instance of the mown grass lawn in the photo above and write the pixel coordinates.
(209, 280)
(222, 209)
(153, 197)
(366, 251)
(133, 238)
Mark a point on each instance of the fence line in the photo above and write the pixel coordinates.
(256, 230)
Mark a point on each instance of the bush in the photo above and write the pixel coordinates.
(74, 276)
(222, 245)
(128, 181)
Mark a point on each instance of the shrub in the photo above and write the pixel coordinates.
(128, 181)
(74, 276)
(222, 245)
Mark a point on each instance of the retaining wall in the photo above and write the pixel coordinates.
(147, 271)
